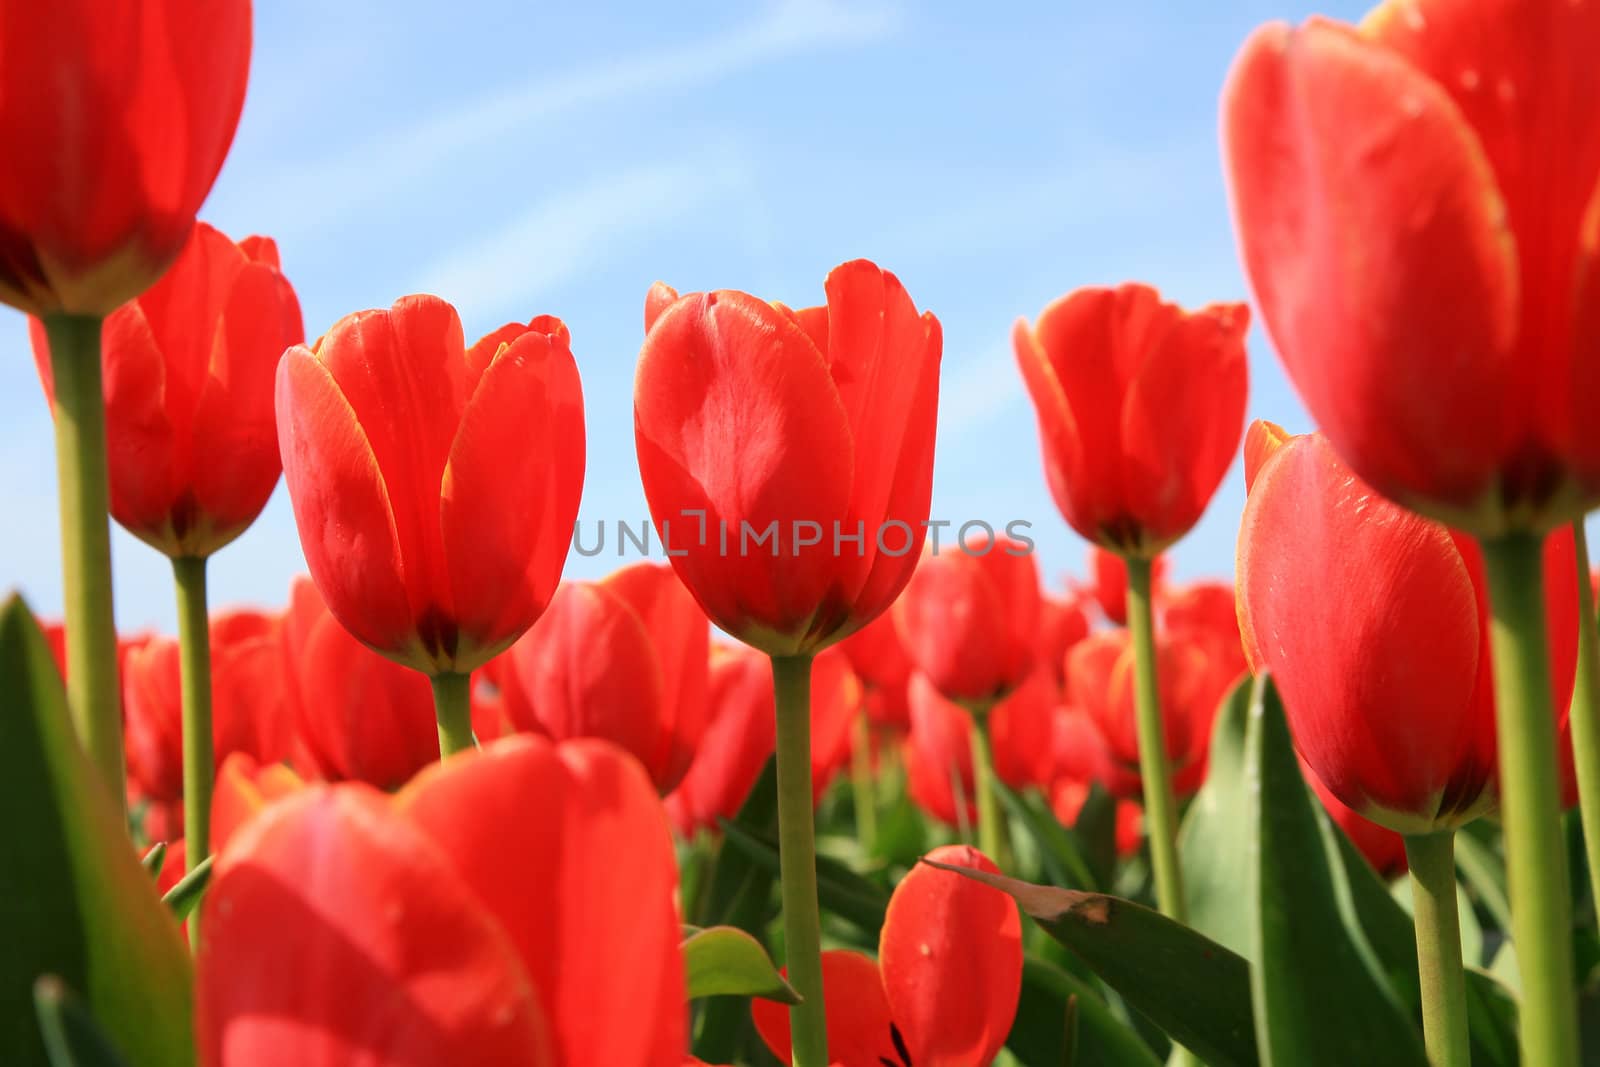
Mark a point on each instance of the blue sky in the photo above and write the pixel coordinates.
(520, 158)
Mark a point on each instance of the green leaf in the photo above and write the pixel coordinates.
(155, 859)
(1213, 851)
(1039, 1035)
(1063, 861)
(185, 895)
(77, 903)
(839, 889)
(1096, 832)
(727, 961)
(1190, 986)
(1485, 876)
(71, 1036)
(1319, 996)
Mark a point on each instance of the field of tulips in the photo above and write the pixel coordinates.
(824, 780)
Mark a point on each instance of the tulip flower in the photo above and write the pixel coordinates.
(624, 659)
(1376, 625)
(939, 747)
(459, 921)
(119, 115)
(787, 458)
(1081, 754)
(244, 789)
(435, 486)
(115, 117)
(1359, 607)
(189, 366)
(1207, 614)
(943, 991)
(970, 619)
(881, 662)
(356, 715)
(816, 425)
(740, 735)
(1108, 574)
(1100, 680)
(1140, 406)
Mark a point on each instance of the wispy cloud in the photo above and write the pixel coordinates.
(335, 187)
(573, 232)
(977, 391)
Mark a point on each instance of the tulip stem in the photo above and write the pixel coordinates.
(863, 793)
(1444, 983)
(991, 835)
(452, 706)
(199, 758)
(1541, 923)
(797, 859)
(1585, 715)
(93, 687)
(1160, 804)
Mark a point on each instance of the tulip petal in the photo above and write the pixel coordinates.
(342, 506)
(736, 416)
(1377, 245)
(337, 934)
(1261, 441)
(860, 1031)
(510, 492)
(951, 956)
(568, 848)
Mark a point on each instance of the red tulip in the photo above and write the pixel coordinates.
(1140, 408)
(1062, 624)
(880, 661)
(1108, 573)
(512, 906)
(939, 747)
(1206, 613)
(244, 788)
(1100, 680)
(742, 733)
(1375, 624)
(115, 116)
(248, 712)
(944, 990)
(625, 660)
(357, 715)
(191, 438)
(1081, 755)
(970, 618)
(812, 429)
(1435, 294)
(435, 485)
(1383, 848)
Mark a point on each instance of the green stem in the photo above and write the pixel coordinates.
(991, 834)
(1541, 923)
(1160, 804)
(452, 706)
(93, 688)
(797, 859)
(199, 752)
(1444, 982)
(863, 791)
(1586, 715)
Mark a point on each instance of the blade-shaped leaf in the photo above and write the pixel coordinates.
(185, 894)
(1318, 996)
(1213, 850)
(76, 901)
(1193, 988)
(155, 859)
(727, 961)
(1039, 1035)
(71, 1036)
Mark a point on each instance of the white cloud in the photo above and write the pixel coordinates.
(976, 391)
